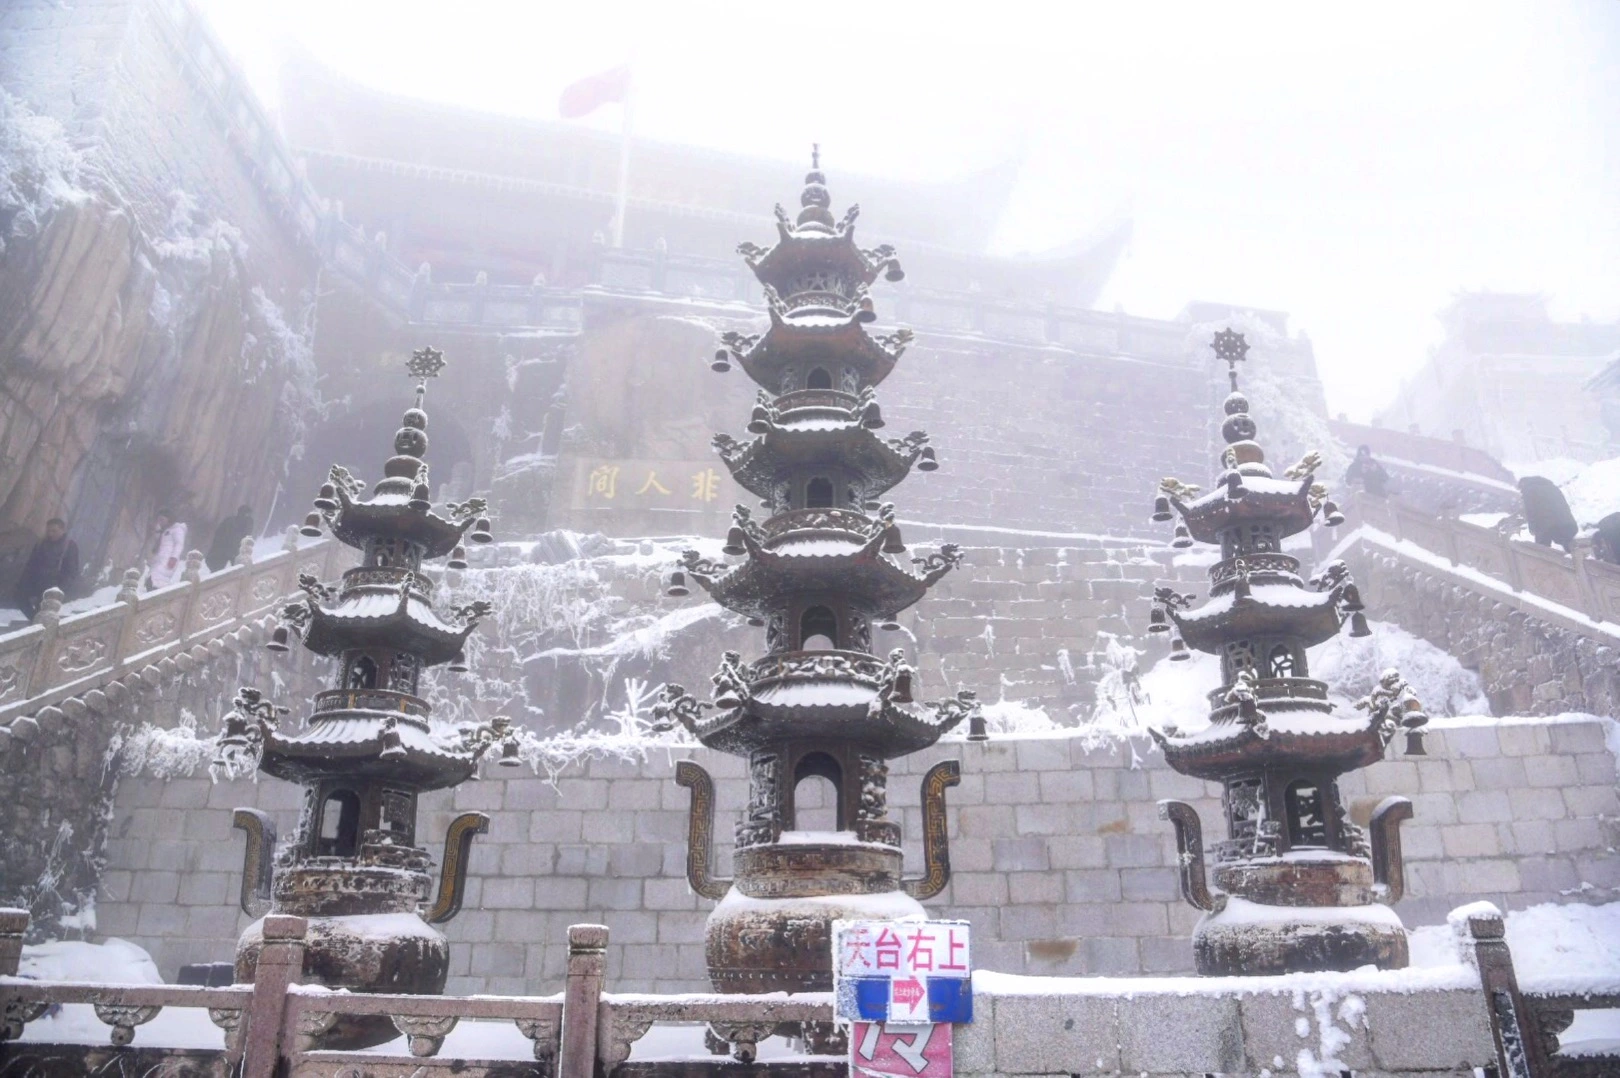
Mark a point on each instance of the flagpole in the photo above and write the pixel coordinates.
(624, 161)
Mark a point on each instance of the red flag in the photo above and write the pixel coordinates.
(591, 93)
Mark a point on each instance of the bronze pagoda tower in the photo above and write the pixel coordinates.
(824, 568)
(1301, 887)
(368, 748)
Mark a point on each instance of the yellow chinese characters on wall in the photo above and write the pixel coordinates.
(673, 485)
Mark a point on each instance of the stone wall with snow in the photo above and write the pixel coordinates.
(152, 287)
(1060, 859)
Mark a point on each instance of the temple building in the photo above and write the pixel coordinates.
(819, 574)
(1301, 887)
(369, 747)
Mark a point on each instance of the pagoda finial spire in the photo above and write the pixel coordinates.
(424, 363)
(1231, 346)
(815, 156)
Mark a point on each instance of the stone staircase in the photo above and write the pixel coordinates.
(65, 669)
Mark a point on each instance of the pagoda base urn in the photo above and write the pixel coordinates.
(389, 948)
(1252, 939)
(773, 930)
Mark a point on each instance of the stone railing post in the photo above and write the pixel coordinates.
(13, 923)
(48, 615)
(1519, 1051)
(281, 963)
(1515, 571)
(582, 998)
(1591, 604)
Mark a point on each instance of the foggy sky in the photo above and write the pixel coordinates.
(1353, 164)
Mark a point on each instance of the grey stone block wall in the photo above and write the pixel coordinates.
(1159, 1029)
(1060, 860)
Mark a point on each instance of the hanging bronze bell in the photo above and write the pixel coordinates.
(421, 498)
(392, 747)
(977, 729)
(480, 532)
(326, 500)
(759, 421)
(1331, 515)
(1358, 625)
(1414, 743)
(312, 525)
(892, 542)
(1183, 538)
(1157, 621)
(278, 639)
(675, 587)
(1234, 484)
(721, 363)
(458, 665)
(736, 544)
(926, 461)
(509, 754)
(458, 558)
(872, 416)
(1178, 650)
(1161, 510)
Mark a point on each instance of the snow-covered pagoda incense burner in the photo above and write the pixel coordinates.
(819, 573)
(368, 748)
(1301, 887)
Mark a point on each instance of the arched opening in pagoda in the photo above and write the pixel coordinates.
(818, 630)
(818, 378)
(1281, 661)
(818, 493)
(362, 674)
(340, 825)
(818, 804)
(1307, 820)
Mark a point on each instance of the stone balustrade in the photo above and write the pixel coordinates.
(67, 666)
(1575, 590)
(1446, 1021)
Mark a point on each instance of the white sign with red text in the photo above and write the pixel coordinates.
(903, 972)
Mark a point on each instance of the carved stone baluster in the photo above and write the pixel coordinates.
(425, 1034)
(123, 1019)
(544, 1032)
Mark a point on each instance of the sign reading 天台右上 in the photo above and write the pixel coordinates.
(902, 972)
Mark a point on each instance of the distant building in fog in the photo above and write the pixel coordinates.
(1514, 382)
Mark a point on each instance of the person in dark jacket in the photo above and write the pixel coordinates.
(1547, 513)
(1606, 539)
(1371, 474)
(53, 563)
(228, 536)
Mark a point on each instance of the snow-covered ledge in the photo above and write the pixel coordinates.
(1428, 1020)
(1406, 1022)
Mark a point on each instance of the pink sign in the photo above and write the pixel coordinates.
(880, 1051)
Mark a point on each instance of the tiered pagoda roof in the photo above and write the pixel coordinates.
(814, 424)
(380, 621)
(1260, 616)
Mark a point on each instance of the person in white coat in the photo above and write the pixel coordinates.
(167, 553)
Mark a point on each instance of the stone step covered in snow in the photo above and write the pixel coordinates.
(1059, 857)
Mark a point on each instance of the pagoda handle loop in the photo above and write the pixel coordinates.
(700, 831)
(453, 870)
(1389, 868)
(258, 857)
(936, 839)
(1189, 852)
